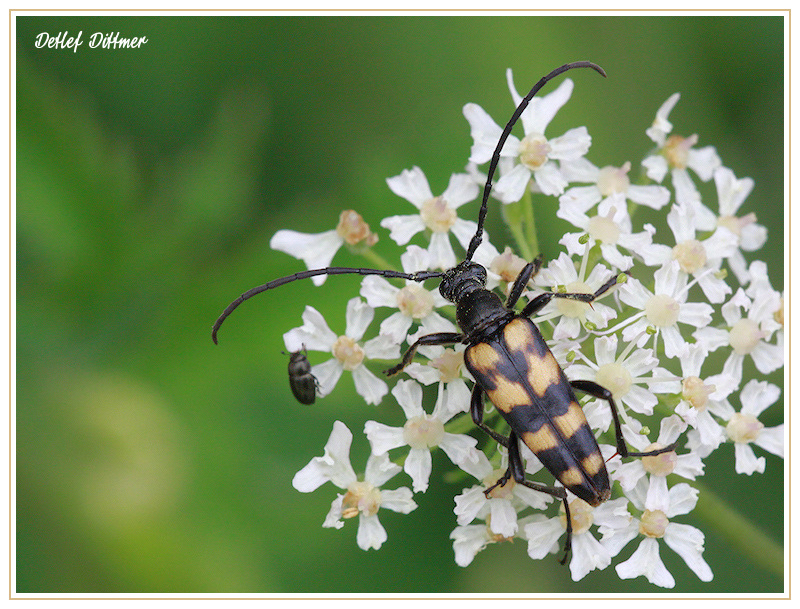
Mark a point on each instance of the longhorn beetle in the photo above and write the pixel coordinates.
(303, 383)
(510, 361)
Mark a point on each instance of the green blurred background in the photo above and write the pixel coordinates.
(149, 184)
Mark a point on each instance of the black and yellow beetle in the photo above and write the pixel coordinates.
(510, 361)
(303, 384)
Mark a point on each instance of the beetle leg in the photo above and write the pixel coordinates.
(476, 411)
(516, 470)
(439, 338)
(568, 542)
(538, 303)
(531, 269)
(602, 393)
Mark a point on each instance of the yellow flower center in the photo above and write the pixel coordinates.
(347, 351)
(438, 215)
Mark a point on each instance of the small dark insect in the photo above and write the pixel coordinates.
(510, 362)
(304, 384)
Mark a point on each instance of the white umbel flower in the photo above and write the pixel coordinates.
(437, 214)
(363, 497)
(349, 353)
(534, 154)
(421, 433)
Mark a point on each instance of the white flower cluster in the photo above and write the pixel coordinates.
(690, 294)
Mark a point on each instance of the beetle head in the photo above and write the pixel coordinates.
(461, 280)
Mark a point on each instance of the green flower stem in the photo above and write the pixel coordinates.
(738, 531)
(522, 224)
(376, 260)
(530, 226)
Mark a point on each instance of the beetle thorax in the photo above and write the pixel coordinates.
(478, 311)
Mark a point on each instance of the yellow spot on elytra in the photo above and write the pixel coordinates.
(540, 440)
(543, 372)
(482, 357)
(508, 395)
(518, 335)
(593, 463)
(569, 422)
(571, 477)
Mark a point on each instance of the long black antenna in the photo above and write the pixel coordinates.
(476, 240)
(331, 270)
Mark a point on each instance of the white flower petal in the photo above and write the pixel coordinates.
(378, 292)
(746, 460)
(359, 316)
(461, 189)
(468, 504)
(697, 314)
(415, 259)
(409, 395)
(467, 542)
(398, 500)
(453, 398)
(768, 357)
(334, 465)
(543, 537)
(656, 167)
(511, 186)
(382, 347)
(587, 555)
(383, 438)
(646, 561)
(412, 185)
(580, 170)
(690, 465)
(396, 326)
(380, 469)
(464, 230)
(574, 144)
(654, 197)
(316, 251)
(441, 251)
(704, 161)
(685, 191)
(772, 440)
(576, 202)
(682, 500)
(369, 386)
(485, 133)
(616, 538)
(674, 343)
(687, 542)
(757, 396)
(550, 180)
(402, 228)
(628, 474)
(661, 125)
(460, 448)
(333, 520)
(714, 287)
(731, 192)
(542, 110)
(533, 498)
(371, 533)
(478, 469)
(504, 517)
(314, 334)
(657, 494)
(327, 374)
(418, 466)
(424, 374)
